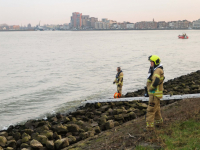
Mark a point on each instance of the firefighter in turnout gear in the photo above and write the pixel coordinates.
(119, 80)
(155, 91)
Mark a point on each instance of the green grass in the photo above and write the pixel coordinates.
(179, 136)
(143, 148)
(182, 136)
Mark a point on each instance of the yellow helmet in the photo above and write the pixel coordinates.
(155, 59)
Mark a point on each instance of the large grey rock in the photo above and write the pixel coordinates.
(60, 128)
(73, 128)
(11, 143)
(48, 134)
(109, 124)
(3, 141)
(61, 143)
(17, 136)
(25, 138)
(4, 133)
(50, 145)
(42, 139)
(35, 144)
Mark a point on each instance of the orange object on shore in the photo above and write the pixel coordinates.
(117, 95)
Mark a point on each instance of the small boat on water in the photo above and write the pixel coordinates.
(184, 36)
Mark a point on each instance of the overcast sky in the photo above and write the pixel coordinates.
(59, 11)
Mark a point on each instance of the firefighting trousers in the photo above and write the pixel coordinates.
(153, 112)
(119, 89)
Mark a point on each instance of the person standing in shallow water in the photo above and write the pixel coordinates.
(155, 91)
(119, 80)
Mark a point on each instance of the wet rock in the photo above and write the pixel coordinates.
(24, 145)
(104, 108)
(74, 119)
(91, 133)
(48, 134)
(10, 138)
(116, 123)
(130, 110)
(61, 143)
(195, 87)
(97, 129)
(42, 139)
(84, 135)
(56, 136)
(3, 141)
(30, 124)
(42, 128)
(109, 124)
(94, 124)
(119, 103)
(54, 119)
(25, 138)
(98, 113)
(80, 122)
(35, 144)
(141, 105)
(119, 117)
(71, 139)
(50, 145)
(66, 119)
(59, 116)
(10, 128)
(42, 123)
(132, 115)
(1, 148)
(97, 105)
(89, 114)
(19, 142)
(102, 121)
(28, 131)
(34, 135)
(17, 136)
(119, 111)
(28, 148)
(11, 143)
(110, 111)
(4, 133)
(60, 128)
(9, 148)
(73, 128)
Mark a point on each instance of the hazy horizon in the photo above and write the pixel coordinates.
(59, 12)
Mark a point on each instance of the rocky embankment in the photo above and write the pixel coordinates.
(62, 130)
(186, 84)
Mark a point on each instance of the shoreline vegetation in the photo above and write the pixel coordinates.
(108, 125)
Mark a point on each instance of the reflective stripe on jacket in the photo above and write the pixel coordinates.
(119, 80)
(158, 90)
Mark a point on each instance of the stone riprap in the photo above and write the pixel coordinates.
(59, 131)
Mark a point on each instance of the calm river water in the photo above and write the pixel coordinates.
(50, 71)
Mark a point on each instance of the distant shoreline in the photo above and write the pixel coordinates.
(103, 30)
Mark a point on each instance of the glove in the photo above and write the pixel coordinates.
(153, 91)
(113, 82)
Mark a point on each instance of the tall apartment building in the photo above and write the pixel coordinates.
(93, 20)
(76, 20)
(85, 19)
